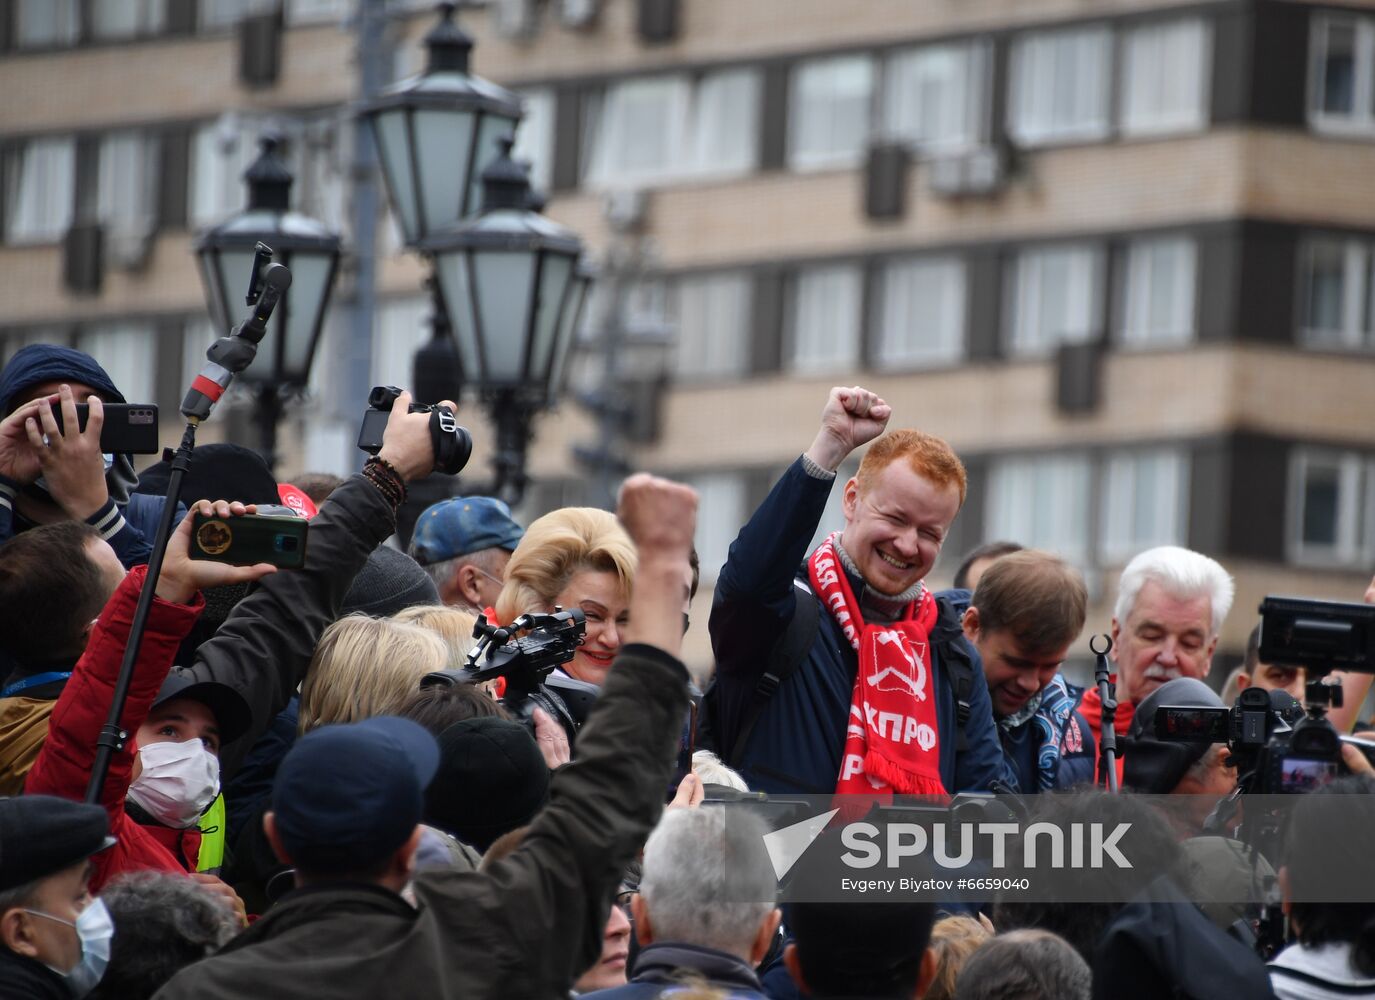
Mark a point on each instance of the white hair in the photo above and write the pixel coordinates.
(1183, 574)
(713, 771)
(708, 881)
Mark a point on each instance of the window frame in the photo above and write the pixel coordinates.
(812, 160)
(1361, 120)
(1016, 347)
(1355, 515)
(1039, 134)
(1128, 336)
(855, 354)
(956, 303)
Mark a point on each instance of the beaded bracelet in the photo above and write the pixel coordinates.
(388, 481)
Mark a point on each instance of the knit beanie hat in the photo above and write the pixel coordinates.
(491, 779)
(389, 582)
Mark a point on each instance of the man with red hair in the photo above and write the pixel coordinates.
(849, 675)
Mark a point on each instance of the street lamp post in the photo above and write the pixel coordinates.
(507, 282)
(225, 254)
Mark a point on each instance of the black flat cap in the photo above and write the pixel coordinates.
(232, 713)
(41, 835)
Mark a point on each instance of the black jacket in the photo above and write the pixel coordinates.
(23, 977)
(264, 646)
(525, 928)
(669, 965)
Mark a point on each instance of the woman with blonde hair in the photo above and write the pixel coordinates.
(576, 557)
(364, 667)
(451, 624)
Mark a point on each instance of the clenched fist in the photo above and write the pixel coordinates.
(853, 416)
(659, 515)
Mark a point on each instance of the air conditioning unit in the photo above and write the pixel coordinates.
(516, 19)
(975, 174)
(657, 21)
(128, 246)
(260, 49)
(625, 209)
(579, 14)
(82, 258)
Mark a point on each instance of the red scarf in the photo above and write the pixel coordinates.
(1091, 708)
(891, 743)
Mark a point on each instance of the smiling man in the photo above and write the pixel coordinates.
(1171, 603)
(850, 675)
(1028, 609)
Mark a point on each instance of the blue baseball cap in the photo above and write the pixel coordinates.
(347, 796)
(461, 526)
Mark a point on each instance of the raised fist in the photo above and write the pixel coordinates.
(853, 416)
(659, 515)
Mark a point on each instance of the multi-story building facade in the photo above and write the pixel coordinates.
(1121, 253)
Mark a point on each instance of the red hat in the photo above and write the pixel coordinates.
(296, 500)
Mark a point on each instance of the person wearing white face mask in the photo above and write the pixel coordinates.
(54, 938)
(164, 778)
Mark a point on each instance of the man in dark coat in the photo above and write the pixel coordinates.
(348, 801)
(54, 939)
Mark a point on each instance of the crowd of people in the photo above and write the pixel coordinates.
(307, 793)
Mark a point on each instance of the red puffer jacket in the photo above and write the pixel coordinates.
(64, 764)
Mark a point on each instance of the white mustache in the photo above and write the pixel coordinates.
(1155, 672)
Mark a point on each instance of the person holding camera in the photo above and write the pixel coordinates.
(782, 716)
(525, 926)
(49, 475)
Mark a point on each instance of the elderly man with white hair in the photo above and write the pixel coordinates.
(705, 911)
(1171, 603)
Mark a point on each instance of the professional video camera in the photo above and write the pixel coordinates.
(525, 653)
(452, 444)
(1281, 748)
(1278, 746)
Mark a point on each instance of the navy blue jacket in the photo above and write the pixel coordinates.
(797, 743)
(662, 969)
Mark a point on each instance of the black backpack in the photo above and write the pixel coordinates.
(790, 650)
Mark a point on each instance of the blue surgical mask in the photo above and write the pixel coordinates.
(94, 929)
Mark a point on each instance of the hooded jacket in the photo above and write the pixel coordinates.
(797, 742)
(127, 522)
(524, 928)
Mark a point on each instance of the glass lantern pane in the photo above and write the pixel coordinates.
(568, 325)
(493, 127)
(393, 145)
(454, 286)
(443, 141)
(553, 283)
(504, 281)
(235, 267)
(305, 300)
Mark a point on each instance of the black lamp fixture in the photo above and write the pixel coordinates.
(310, 250)
(434, 132)
(512, 284)
(507, 283)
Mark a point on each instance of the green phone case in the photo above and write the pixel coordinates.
(253, 538)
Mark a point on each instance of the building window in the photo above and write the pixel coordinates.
(128, 18)
(720, 514)
(1158, 305)
(825, 319)
(401, 327)
(125, 192)
(921, 319)
(1041, 502)
(713, 326)
(1145, 502)
(1342, 72)
(1164, 77)
(666, 127)
(935, 96)
(45, 24)
(535, 137)
(1330, 501)
(828, 112)
(38, 196)
(1059, 86)
(1337, 293)
(306, 11)
(127, 351)
(1055, 298)
(220, 152)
